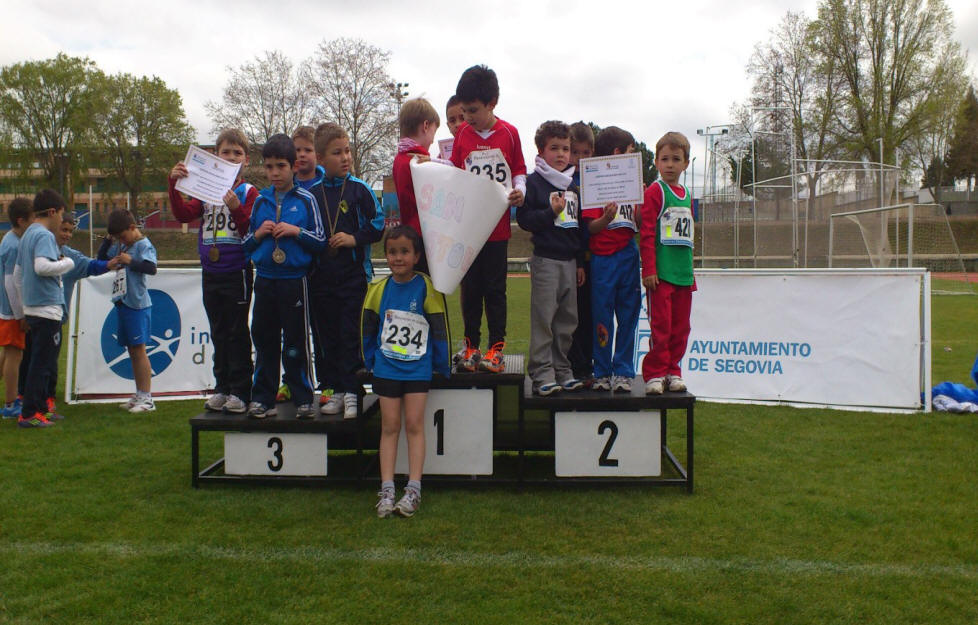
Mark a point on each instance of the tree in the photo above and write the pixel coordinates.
(139, 130)
(889, 53)
(351, 85)
(795, 94)
(48, 106)
(262, 98)
(962, 157)
(929, 146)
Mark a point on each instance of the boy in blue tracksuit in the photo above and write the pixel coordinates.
(285, 234)
(352, 221)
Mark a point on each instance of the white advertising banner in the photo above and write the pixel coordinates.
(828, 337)
(179, 347)
(458, 211)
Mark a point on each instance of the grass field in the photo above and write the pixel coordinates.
(799, 516)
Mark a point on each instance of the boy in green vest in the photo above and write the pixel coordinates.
(666, 245)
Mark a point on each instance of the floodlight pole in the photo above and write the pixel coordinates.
(708, 143)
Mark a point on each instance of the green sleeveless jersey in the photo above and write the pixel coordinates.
(674, 237)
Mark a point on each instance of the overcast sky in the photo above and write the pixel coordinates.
(648, 67)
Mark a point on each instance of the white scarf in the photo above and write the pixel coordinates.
(559, 179)
(405, 145)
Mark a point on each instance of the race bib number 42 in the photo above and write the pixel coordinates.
(404, 335)
(492, 164)
(676, 226)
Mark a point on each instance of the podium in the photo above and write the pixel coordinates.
(480, 428)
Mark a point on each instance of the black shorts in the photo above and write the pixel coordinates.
(386, 387)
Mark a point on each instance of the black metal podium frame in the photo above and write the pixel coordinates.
(349, 435)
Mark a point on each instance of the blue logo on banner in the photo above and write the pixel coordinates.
(164, 339)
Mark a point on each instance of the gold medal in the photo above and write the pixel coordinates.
(214, 254)
(278, 255)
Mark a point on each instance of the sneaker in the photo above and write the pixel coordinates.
(333, 405)
(284, 394)
(572, 384)
(675, 384)
(385, 503)
(37, 421)
(654, 386)
(468, 358)
(325, 395)
(350, 406)
(408, 504)
(52, 406)
(257, 410)
(215, 403)
(54, 416)
(145, 404)
(492, 360)
(130, 403)
(235, 405)
(545, 390)
(601, 384)
(12, 410)
(305, 411)
(621, 384)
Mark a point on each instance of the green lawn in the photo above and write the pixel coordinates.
(799, 516)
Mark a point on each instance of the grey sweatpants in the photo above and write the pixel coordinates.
(553, 318)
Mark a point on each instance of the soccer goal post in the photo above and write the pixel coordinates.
(901, 235)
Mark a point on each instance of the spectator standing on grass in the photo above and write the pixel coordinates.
(37, 276)
(136, 258)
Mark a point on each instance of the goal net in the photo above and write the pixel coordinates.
(903, 235)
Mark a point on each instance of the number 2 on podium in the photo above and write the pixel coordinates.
(604, 460)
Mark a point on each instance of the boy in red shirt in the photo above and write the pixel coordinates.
(418, 121)
(486, 145)
(667, 265)
(615, 279)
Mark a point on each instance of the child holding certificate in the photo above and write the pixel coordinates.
(353, 220)
(285, 234)
(487, 146)
(615, 280)
(404, 330)
(551, 212)
(226, 277)
(667, 265)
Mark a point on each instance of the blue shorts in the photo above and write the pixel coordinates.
(134, 325)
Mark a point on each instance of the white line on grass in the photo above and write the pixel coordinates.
(518, 559)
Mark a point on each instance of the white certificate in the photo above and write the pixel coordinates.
(209, 177)
(445, 148)
(616, 178)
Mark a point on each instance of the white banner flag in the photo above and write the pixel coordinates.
(458, 211)
(840, 338)
(179, 347)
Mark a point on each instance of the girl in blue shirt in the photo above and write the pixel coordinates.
(405, 339)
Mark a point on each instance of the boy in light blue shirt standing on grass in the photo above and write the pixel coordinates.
(38, 279)
(127, 246)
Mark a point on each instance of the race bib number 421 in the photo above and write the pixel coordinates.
(492, 164)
